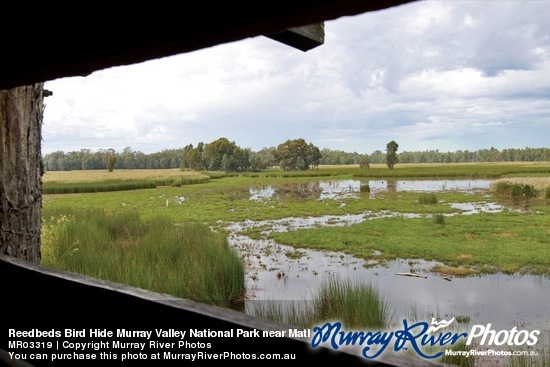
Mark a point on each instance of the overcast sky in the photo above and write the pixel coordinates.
(447, 75)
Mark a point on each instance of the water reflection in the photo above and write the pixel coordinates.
(339, 189)
(278, 272)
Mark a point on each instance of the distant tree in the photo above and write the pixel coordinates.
(314, 155)
(195, 158)
(364, 164)
(184, 164)
(391, 154)
(262, 159)
(226, 156)
(110, 162)
(296, 155)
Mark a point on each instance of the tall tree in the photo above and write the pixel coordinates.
(391, 154)
(21, 169)
(295, 155)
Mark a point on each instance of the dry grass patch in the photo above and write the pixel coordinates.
(539, 183)
(505, 234)
(122, 174)
(453, 271)
(470, 237)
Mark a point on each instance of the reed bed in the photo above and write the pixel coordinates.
(522, 186)
(187, 261)
(57, 187)
(356, 305)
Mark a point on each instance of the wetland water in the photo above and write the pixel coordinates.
(282, 273)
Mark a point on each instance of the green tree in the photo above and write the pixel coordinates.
(195, 158)
(184, 164)
(295, 155)
(110, 162)
(364, 164)
(391, 154)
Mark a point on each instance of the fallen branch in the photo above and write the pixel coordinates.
(412, 275)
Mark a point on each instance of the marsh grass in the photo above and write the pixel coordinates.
(428, 199)
(98, 186)
(439, 219)
(542, 359)
(522, 187)
(357, 305)
(59, 187)
(458, 360)
(509, 242)
(516, 191)
(364, 188)
(187, 261)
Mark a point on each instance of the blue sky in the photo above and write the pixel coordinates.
(447, 75)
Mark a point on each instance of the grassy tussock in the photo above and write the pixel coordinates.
(356, 305)
(428, 199)
(187, 261)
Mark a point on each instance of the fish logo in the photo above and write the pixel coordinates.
(436, 325)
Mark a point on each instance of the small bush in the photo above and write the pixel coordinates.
(516, 190)
(439, 219)
(528, 191)
(364, 188)
(428, 199)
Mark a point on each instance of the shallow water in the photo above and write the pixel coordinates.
(338, 189)
(282, 273)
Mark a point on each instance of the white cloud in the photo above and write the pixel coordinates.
(430, 73)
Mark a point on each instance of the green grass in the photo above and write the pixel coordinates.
(428, 199)
(60, 187)
(516, 191)
(187, 261)
(101, 186)
(228, 199)
(459, 360)
(508, 241)
(358, 305)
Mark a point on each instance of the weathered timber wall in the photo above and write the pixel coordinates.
(21, 169)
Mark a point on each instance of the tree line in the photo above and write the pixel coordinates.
(297, 154)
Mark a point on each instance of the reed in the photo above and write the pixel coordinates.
(187, 261)
(357, 305)
(428, 199)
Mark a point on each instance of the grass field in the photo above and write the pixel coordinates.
(102, 175)
(516, 240)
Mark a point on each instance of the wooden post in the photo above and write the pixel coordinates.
(21, 169)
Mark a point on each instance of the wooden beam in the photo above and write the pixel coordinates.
(303, 38)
